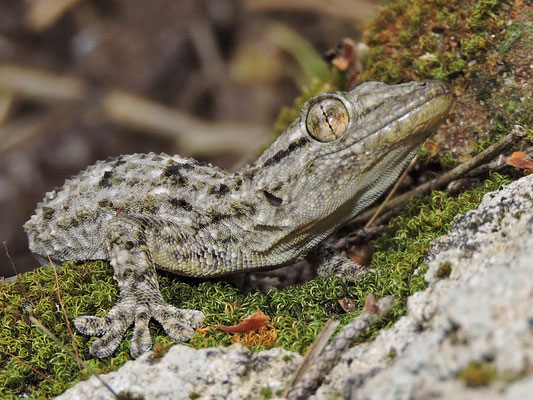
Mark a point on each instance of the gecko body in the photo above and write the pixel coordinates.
(144, 212)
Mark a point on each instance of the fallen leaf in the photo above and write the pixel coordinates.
(345, 57)
(360, 254)
(519, 159)
(267, 336)
(251, 323)
(347, 305)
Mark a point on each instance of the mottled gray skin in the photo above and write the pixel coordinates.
(146, 211)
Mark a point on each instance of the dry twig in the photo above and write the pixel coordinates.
(303, 387)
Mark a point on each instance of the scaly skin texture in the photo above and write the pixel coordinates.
(146, 211)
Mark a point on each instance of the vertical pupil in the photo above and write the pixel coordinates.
(327, 120)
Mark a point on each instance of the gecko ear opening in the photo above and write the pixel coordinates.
(327, 119)
(273, 200)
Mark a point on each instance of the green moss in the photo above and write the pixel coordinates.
(477, 374)
(480, 11)
(266, 393)
(444, 271)
(298, 312)
(473, 46)
(402, 247)
(481, 46)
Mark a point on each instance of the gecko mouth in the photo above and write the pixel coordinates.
(415, 113)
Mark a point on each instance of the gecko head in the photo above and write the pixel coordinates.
(345, 150)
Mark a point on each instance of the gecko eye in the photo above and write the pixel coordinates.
(327, 120)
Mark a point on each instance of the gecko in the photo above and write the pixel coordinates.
(144, 212)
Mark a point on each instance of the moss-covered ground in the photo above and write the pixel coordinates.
(297, 313)
(483, 47)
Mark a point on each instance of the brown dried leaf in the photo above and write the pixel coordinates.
(266, 335)
(347, 305)
(251, 323)
(519, 159)
(345, 57)
(360, 254)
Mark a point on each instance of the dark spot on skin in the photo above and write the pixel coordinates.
(276, 158)
(218, 217)
(294, 145)
(149, 208)
(171, 170)
(142, 315)
(129, 245)
(74, 222)
(220, 190)
(223, 189)
(141, 278)
(187, 166)
(273, 200)
(122, 317)
(202, 225)
(250, 207)
(248, 174)
(47, 212)
(105, 203)
(105, 182)
(133, 181)
(181, 204)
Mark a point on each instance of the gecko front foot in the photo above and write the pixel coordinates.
(179, 324)
(139, 300)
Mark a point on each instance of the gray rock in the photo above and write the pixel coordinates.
(480, 313)
(183, 372)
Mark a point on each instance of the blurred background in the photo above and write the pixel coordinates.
(81, 80)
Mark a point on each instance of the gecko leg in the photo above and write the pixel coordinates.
(139, 299)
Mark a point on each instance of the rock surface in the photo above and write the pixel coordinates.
(186, 373)
(476, 323)
(468, 335)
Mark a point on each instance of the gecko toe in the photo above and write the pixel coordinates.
(105, 346)
(178, 324)
(111, 327)
(92, 326)
(141, 341)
